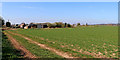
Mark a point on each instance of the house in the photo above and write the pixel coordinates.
(22, 25)
(26, 27)
(32, 25)
(41, 25)
(38, 25)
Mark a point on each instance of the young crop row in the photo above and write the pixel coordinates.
(35, 49)
(81, 42)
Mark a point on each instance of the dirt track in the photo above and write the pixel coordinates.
(24, 51)
(60, 53)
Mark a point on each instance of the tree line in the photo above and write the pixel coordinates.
(63, 25)
(2, 22)
(50, 25)
(58, 25)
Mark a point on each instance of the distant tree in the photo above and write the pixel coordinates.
(49, 25)
(58, 24)
(2, 22)
(73, 25)
(68, 25)
(8, 24)
(78, 24)
(86, 24)
(65, 25)
(53, 25)
(16, 24)
(61, 24)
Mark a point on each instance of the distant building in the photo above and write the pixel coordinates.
(22, 25)
(33, 25)
(41, 25)
(38, 25)
(26, 27)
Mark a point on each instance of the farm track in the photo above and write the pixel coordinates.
(24, 51)
(60, 53)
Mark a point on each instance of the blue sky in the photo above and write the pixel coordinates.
(60, 0)
(70, 12)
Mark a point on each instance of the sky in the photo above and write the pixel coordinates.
(60, 0)
(0, 9)
(70, 12)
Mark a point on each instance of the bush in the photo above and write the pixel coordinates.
(59, 24)
(68, 25)
(8, 24)
(78, 24)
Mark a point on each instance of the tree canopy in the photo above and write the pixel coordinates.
(2, 22)
(78, 24)
(8, 24)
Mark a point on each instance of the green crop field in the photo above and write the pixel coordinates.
(8, 51)
(83, 42)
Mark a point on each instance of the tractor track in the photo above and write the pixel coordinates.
(23, 50)
(60, 53)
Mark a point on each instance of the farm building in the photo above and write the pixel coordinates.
(36, 25)
(22, 25)
(26, 27)
(32, 25)
(41, 25)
